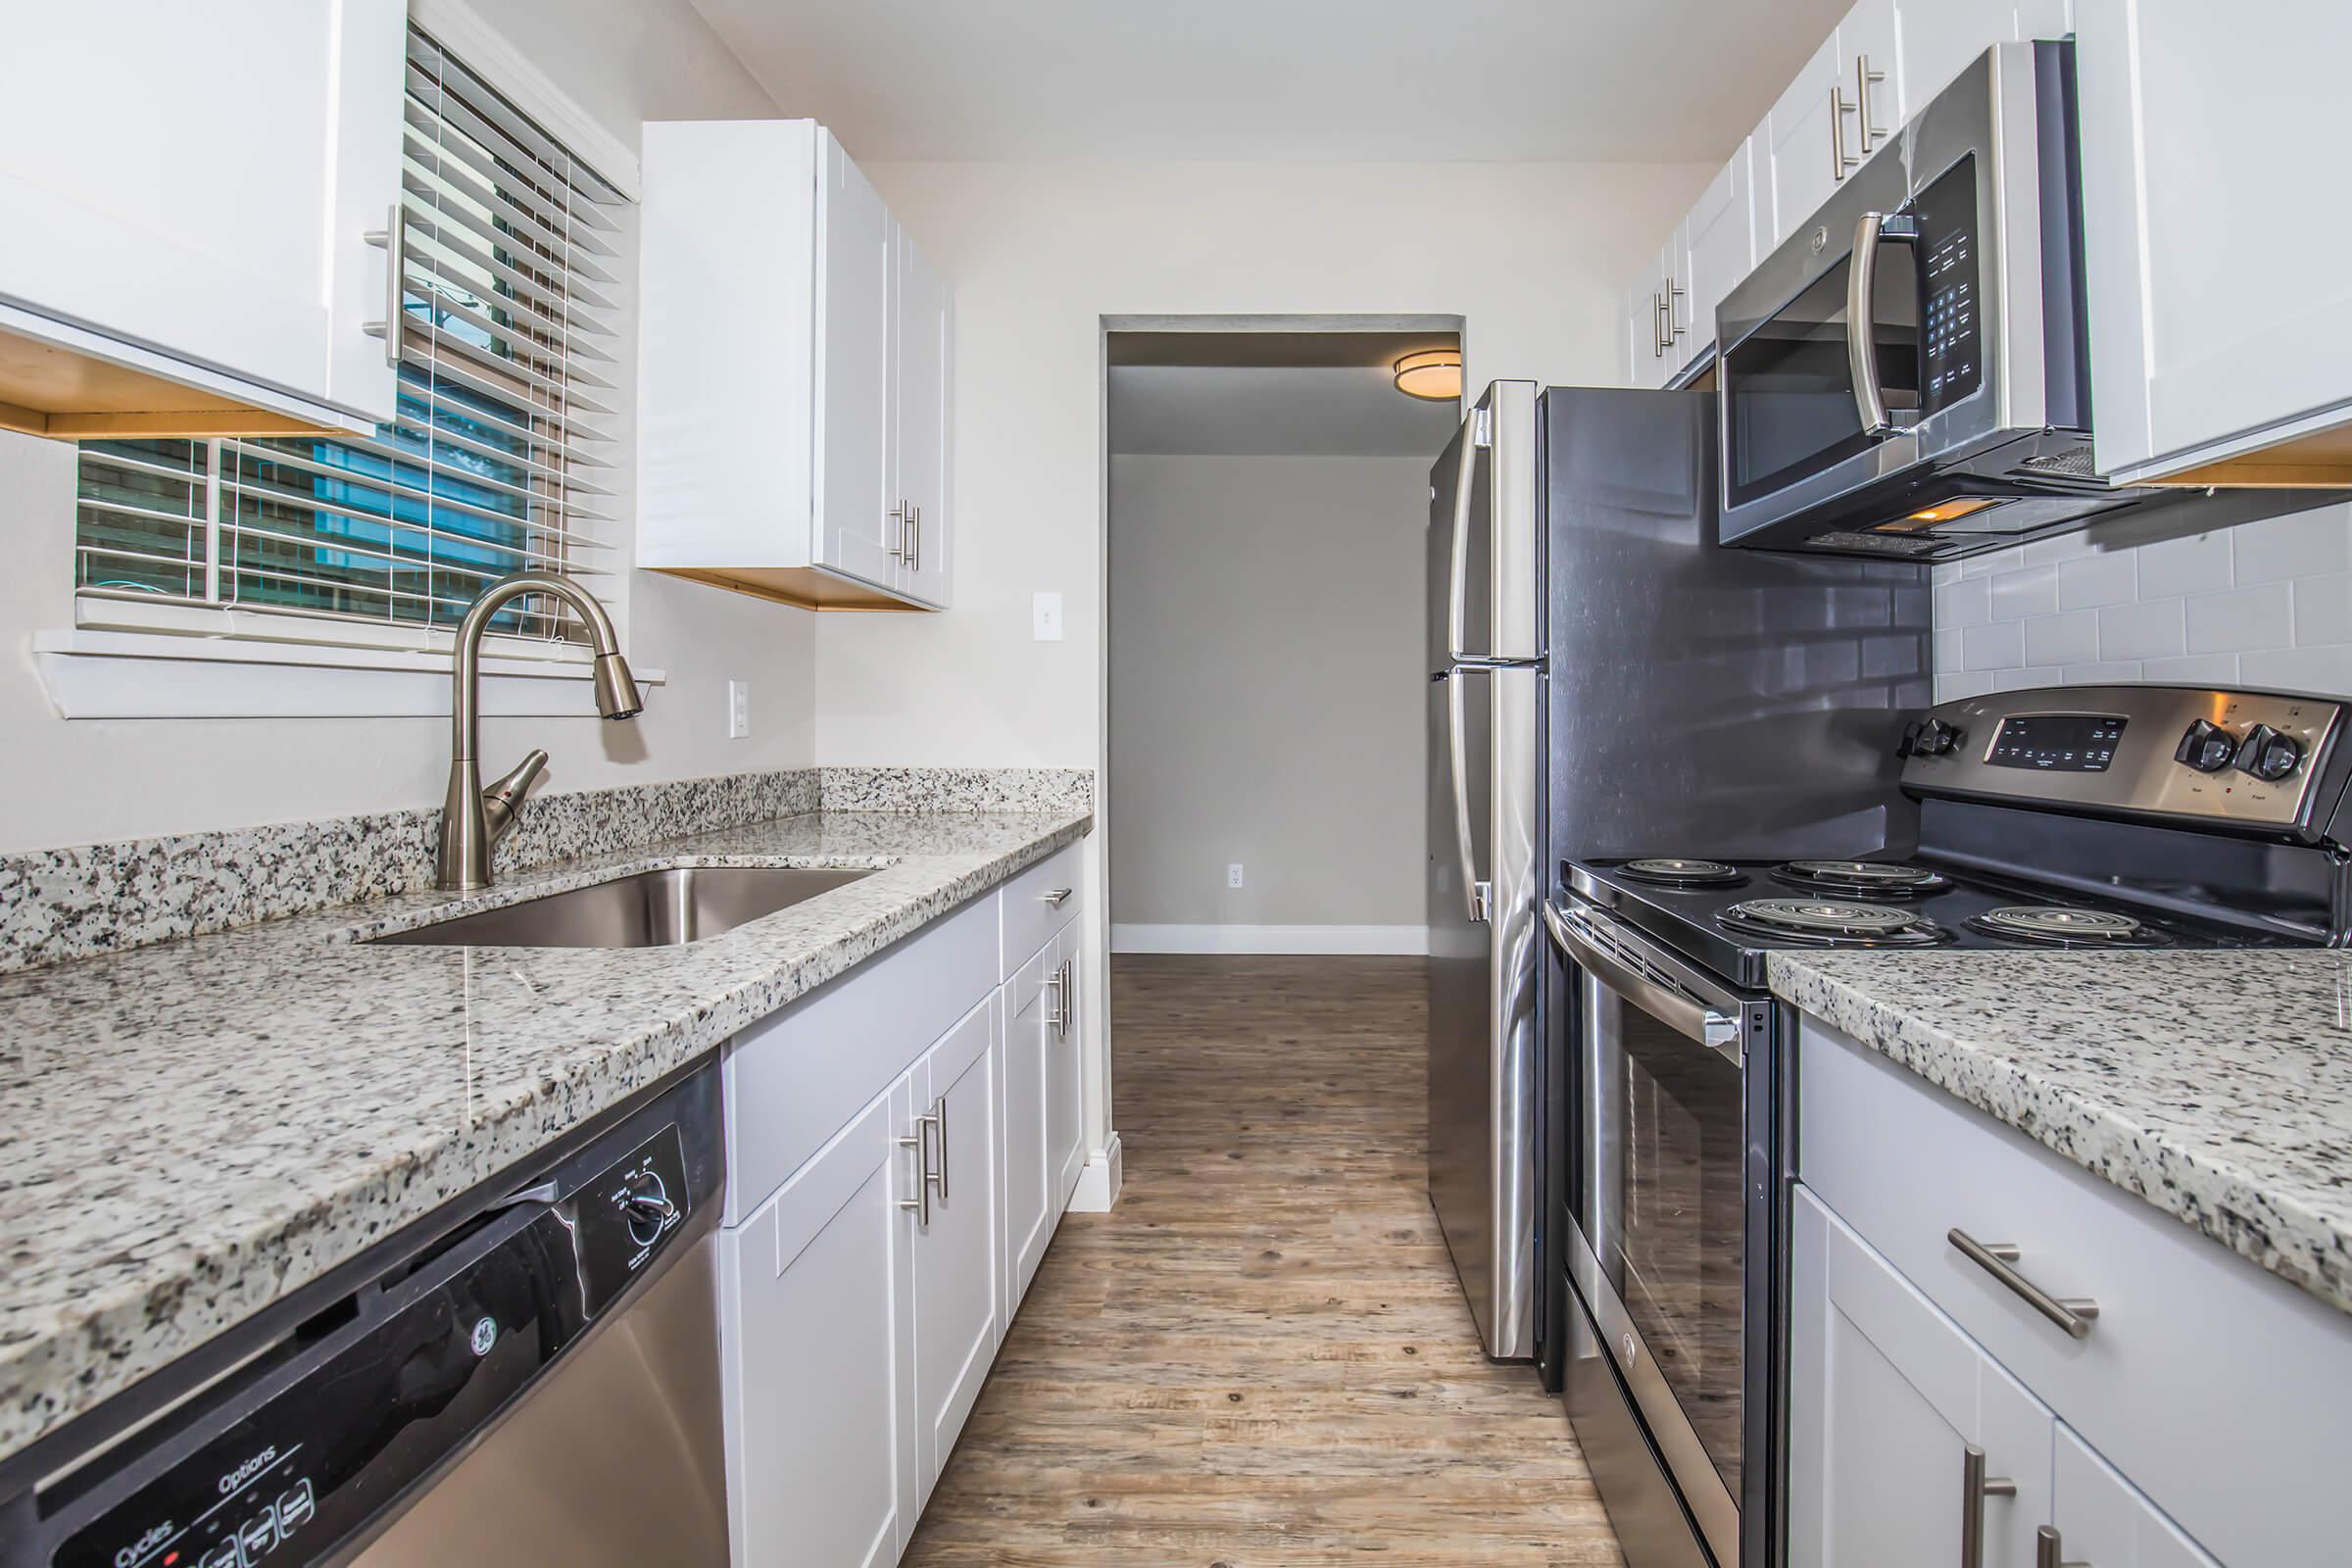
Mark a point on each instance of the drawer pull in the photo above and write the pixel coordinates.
(1056, 896)
(1975, 1487)
(2046, 1550)
(2074, 1314)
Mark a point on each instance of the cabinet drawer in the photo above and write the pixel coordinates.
(1032, 911)
(797, 1077)
(2217, 1387)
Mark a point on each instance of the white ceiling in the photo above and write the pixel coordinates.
(1237, 411)
(1313, 80)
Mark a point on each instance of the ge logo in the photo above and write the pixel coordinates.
(485, 1334)
(1820, 237)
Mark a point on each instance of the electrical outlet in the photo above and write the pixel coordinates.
(1233, 876)
(739, 709)
(1047, 614)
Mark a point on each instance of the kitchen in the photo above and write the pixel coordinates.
(410, 1157)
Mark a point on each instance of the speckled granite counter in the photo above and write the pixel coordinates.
(189, 1131)
(2218, 1086)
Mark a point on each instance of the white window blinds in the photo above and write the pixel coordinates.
(513, 257)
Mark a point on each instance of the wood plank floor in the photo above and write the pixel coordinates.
(1262, 1358)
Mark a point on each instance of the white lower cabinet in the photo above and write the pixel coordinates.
(865, 1297)
(1895, 1414)
(816, 1325)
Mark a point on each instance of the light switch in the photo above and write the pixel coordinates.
(1049, 617)
(739, 709)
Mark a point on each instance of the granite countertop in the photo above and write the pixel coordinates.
(2216, 1085)
(194, 1129)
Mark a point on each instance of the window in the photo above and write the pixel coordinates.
(512, 269)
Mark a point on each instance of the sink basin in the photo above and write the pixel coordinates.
(650, 909)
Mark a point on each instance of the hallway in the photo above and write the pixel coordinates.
(1261, 1358)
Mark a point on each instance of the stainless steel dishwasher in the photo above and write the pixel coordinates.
(531, 1375)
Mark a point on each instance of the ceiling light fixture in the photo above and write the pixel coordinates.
(1435, 375)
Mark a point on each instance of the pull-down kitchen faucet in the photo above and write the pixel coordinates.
(473, 819)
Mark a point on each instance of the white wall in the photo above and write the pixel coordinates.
(1533, 256)
(1266, 698)
(84, 781)
(2265, 604)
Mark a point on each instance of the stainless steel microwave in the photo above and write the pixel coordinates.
(1907, 376)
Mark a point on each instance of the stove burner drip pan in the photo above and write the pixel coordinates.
(1832, 924)
(2057, 925)
(1679, 873)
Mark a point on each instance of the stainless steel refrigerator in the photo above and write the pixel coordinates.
(1605, 680)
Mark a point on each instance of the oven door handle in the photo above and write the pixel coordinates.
(1685, 1015)
(1861, 321)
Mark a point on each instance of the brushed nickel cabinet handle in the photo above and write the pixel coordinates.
(895, 539)
(1841, 160)
(394, 238)
(1864, 77)
(1056, 896)
(919, 1206)
(941, 1111)
(915, 537)
(2073, 1313)
(1674, 291)
(1975, 1487)
(2046, 1550)
(1058, 1008)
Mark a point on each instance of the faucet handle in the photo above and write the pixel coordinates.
(500, 799)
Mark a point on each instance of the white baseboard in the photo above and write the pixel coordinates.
(1336, 938)
(1099, 1181)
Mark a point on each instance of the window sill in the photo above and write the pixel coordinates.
(116, 674)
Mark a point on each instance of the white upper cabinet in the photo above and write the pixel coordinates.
(2213, 218)
(792, 373)
(1718, 248)
(185, 201)
(1649, 342)
(1806, 143)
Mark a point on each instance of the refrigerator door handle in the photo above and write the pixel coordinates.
(1475, 894)
(1465, 488)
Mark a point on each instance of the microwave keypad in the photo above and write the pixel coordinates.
(1946, 212)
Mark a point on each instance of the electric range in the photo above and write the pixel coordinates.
(2072, 818)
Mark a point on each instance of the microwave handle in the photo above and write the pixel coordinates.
(1685, 1015)
(1862, 327)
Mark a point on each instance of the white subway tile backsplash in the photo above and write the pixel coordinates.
(2068, 639)
(2151, 630)
(2103, 672)
(2323, 609)
(2265, 604)
(1945, 571)
(1963, 603)
(1996, 645)
(1962, 683)
(2303, 544)
(2014, 594)
(2239, 619)
(2197, 563)
(2301, 670)
(2105, 577)
(2192, 670)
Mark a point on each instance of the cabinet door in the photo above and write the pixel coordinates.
(921, 394)
(2101, 1518)
(1808, 144)
(2218, 310)
(958, 1252)
(817, 1339)
(201, 185)
(853, 344)
(1939, 39)
(1065, 1110)
(1887, 1398)
(1029, 1045)
(1869, 64)
(1720, 248)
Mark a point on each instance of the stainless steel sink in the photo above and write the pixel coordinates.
(650, 909)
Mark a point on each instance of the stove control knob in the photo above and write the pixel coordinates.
(2268, 755)
(1937, 739)
(646, 1204)
(2207, 747)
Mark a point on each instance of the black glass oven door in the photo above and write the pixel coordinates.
(1789, 386)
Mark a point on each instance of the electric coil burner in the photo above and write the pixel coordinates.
(2057, 925)
(1674, 874)
(1862, 879)
(1832, 924)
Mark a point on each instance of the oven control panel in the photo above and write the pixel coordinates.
(2251, 759)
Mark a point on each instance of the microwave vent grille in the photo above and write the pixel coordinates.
(2075, 463)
